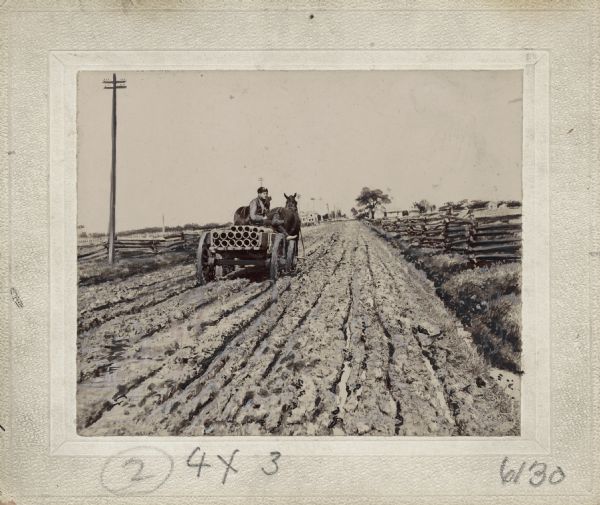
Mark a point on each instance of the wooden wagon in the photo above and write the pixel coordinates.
(221, 251)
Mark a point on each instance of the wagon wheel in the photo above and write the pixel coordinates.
(205, 261)
(291, 256)
(277, 252)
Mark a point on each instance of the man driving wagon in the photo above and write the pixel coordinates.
(259, 207)
(258, 211)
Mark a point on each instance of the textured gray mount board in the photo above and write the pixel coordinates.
(44, 460)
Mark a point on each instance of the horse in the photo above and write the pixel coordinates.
(242, 214)
(289, 215)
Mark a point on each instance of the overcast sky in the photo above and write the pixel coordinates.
(192, 145)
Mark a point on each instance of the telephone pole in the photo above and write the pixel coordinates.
(113, 84)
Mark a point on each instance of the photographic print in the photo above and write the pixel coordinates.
(302, 253)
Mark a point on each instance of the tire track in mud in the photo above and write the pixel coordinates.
(364, 403)
(221, 319)
(477, 406)
(415, 391)
(106, 343)
(94, 302)
(293, 358)
(90, 295)
(132, 305)
(182, 355)
(214, 312)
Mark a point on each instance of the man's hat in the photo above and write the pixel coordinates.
(262, 189)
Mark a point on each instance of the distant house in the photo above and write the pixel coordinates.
(309, 218)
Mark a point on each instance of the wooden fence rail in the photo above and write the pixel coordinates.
(127, 247)
(484, 238)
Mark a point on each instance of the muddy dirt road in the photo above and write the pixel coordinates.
(356, 343)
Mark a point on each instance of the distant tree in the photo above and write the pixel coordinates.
(353, 211)
(371, 199)
(423, 206)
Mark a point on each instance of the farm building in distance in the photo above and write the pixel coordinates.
(310, 218)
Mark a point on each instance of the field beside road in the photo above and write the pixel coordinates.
(355, 343)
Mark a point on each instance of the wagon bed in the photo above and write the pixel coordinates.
(225, 249)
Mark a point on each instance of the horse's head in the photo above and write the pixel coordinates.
(291, 202)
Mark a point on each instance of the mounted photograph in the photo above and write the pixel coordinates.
(299, 253)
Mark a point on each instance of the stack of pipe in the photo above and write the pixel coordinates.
(237, 237)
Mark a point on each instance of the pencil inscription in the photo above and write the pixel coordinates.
(136, 471)
(198, 459)
(536, 471)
